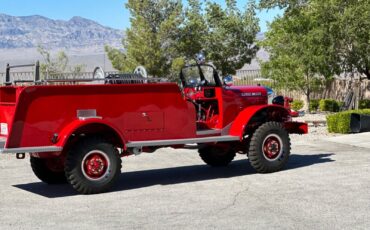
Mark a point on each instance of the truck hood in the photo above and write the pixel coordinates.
(250, 90)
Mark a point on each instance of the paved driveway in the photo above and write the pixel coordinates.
(361, 140)
(326, 185)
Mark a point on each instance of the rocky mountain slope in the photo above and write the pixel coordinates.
(31, 31)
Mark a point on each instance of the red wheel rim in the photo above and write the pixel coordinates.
(95, 165)
(272, 147)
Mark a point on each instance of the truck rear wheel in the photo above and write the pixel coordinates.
(48, 170)
(92, 166)
(216, 157)
(269, 148)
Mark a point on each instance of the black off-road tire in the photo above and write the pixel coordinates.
(270, 132)
(216, 157)
(77, 175)
(46, 174)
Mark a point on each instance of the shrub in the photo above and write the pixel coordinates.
(297, 105)
(329, 105)
(314, 105)
(340, 122)
(364, 104)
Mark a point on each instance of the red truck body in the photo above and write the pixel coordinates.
(45, 116)
(37, 113)
(78, 130)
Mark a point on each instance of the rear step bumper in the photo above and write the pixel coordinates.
(37, 149)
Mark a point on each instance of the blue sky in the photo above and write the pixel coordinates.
(110, 13)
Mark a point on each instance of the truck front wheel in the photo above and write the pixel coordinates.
(92, 166)
(269, 148)
(216, 157)
(48, 170)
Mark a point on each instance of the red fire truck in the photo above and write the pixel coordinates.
(78, 133)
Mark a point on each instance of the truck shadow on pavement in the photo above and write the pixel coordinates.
(176, 175)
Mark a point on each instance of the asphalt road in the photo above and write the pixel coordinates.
(326, 185)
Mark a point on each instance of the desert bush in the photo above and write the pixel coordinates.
(314, 105)
(297, 105)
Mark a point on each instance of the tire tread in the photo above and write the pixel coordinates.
(41, 171)
(72, 170)
(255, 156)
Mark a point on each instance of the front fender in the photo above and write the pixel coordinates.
(244, 117)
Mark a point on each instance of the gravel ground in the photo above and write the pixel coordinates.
(314, 132)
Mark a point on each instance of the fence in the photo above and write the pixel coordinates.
(336, 89)
(18, 76)
(255, 77)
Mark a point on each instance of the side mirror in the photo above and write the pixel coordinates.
(228, 80)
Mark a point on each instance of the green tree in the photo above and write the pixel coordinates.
(117, 58)
(298, 53)
(288, 5)
(343, 25)
(230, 41)
(350, 33)
(193, 31)
(149, 40)
(315, 40)
(163, 36)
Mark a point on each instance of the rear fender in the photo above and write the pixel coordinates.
(264, 112)
(93, 125)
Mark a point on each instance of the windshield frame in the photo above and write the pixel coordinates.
(201, 75)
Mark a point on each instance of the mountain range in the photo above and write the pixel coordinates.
(32, 31)
(82, 39)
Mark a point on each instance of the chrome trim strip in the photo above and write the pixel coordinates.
(40, 149)
(223, 132)
(84, 114)
(208, 132)
(86, 118)
(226, 138)
(226, 130)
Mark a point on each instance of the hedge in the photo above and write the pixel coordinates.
(340, 122)
(297, 105)
(364, 104)
(330, 105)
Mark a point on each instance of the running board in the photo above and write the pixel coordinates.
(36, 149)
(209, 132)
(39, 149)
(138, 144)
